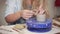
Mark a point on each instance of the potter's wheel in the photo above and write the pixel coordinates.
(36, 26)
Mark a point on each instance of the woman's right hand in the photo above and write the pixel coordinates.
(26, 14)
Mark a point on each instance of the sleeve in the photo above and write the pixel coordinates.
(10, 7)
(19, 5)
(13, 6)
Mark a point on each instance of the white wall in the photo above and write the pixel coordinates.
(57, 11)
(2, 10)
(51, 7)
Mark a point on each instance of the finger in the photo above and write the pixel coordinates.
(36, 11)
(42, 11)
(27, 17)
(41, 6)
(27, 13)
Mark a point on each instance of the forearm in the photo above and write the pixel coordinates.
(13, 17)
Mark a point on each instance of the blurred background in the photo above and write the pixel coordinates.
(52, 5)
(2, 12)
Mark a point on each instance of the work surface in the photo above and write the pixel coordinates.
(9, 30)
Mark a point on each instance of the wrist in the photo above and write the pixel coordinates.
(20, 13)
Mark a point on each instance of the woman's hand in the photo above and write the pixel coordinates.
(41, 9)
(26, 14)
